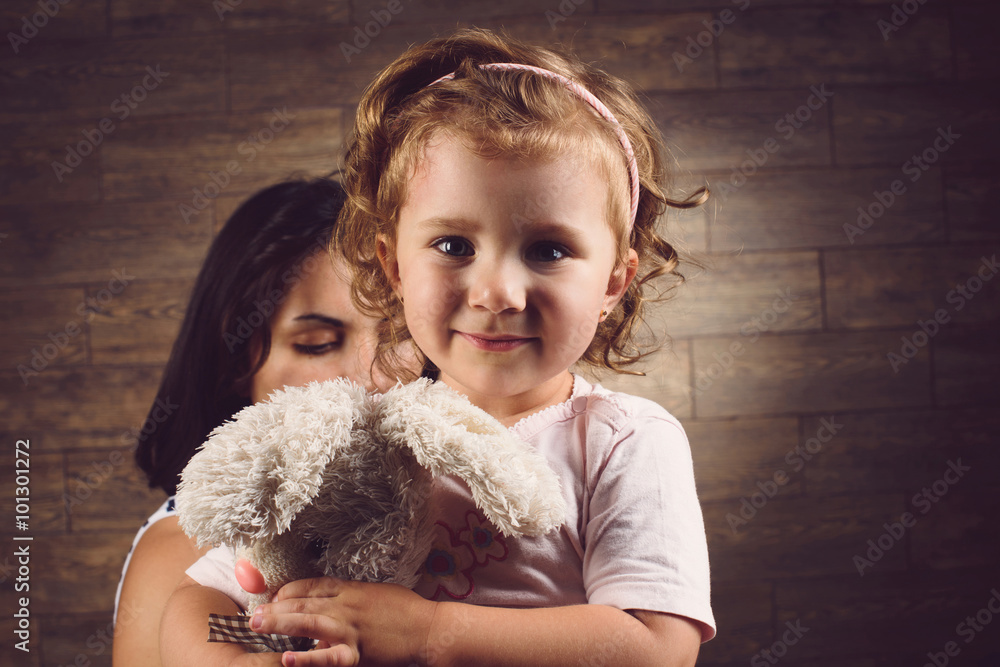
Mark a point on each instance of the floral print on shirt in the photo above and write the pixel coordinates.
(455, 555)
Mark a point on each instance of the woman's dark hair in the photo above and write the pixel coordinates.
(263, 250)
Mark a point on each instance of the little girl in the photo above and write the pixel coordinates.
(501, 217)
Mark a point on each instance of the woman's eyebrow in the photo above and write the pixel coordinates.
(325, 319)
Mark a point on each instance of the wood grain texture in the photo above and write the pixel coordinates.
(139, 327)
(70, 19)
(890, 287)
(111, 399)
(879, 452)
(185, 16)
(778, 209)
(810, 373)
(147, 240)
(977, 53)
(969, 193)
(892, 125)
(107, 492)
(966, 365)
(334, 63)
(94, 438)
(876, 615)
(961, 517)
(745, 295)
(28, 153)
(327, 72)
(714, 130)
(732, 456)
(782, 47)
(649, 51)
(659, 5)
(194, 162)
(184, 76)
(790, 538)
(170, 16)
(72, 639)
(431, 10)
(43, 328)
(856, 661)
(267, 14)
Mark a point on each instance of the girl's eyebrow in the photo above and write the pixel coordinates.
(546, 228)
(537, 228)
(324, 319)
(449, 224)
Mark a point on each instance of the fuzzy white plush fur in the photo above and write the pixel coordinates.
(328, 480)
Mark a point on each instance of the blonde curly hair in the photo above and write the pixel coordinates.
(509, 113)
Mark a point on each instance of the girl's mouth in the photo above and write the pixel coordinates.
(494, 342)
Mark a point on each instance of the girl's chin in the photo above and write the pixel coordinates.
(500, 382)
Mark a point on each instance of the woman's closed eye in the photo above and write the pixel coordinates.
(316, 348)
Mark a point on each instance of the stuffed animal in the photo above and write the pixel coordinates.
(327, 480)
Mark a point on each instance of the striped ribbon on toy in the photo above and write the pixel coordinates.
(236, 630)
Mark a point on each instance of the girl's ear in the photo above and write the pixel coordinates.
(621, 278)
(387, 258)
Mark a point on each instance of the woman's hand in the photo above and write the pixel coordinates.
(383, 624)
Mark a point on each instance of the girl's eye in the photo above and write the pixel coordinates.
(547, 252)
(454, 246)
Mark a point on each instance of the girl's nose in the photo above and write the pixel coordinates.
(498, 286)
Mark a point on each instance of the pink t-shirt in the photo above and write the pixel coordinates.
(634, 537)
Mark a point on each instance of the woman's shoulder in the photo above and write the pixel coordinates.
(155, 539)
(161, 553)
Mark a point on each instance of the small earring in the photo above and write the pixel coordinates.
(604, 314)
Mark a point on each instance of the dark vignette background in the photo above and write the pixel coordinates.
(868, 343)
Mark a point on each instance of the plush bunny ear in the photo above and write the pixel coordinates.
(510, 482)
(255, 473)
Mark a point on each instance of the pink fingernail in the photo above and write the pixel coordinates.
(256, 621)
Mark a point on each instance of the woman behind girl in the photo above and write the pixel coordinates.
(269, 308)
(501, 219)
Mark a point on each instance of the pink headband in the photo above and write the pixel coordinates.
(588, 97)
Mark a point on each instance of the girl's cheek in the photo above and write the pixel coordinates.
(447, 287)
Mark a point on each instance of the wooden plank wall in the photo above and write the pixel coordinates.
(808, 438)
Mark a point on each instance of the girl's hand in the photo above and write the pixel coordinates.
(384, 624)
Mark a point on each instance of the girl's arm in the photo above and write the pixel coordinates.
(157, 565)
(184, 631)
(384, 624)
